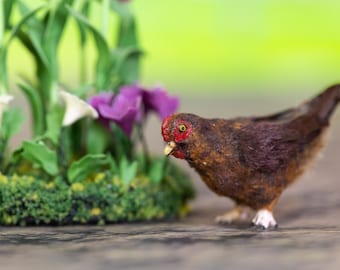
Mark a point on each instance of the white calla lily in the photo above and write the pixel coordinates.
(4, 100)
(76, 108)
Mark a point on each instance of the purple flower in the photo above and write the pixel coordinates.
(120, 109)
(131, 105)
(159, 101)
(156, 100)
(103, 98)
(134, 94)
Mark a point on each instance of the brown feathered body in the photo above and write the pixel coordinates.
(253, 159)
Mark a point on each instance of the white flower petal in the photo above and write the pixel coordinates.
(76, 108)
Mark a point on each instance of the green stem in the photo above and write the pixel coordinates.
(105, 18)
(62, 157)
(144, 146)
(3, 71)
(3, 143)
(2, 23)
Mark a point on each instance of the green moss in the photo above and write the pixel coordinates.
(104, 198)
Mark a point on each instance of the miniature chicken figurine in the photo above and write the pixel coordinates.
(252, 159)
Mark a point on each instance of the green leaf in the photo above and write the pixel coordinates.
(31, 38)
(121, 143)
(27, 17)
(54, 25)
(33, 97)
(127, 35)
(3, 69)
(127, 39)
(104, 61)
(56, 20)
(54, 123)
(84, 11)
(33, 43)
(39, 154)
(121, 9)
(127, 68)
(143, 161)
(128, 171)
(14, 33)
(8, 7)
(82, 91)
(113, 167)
(156, 172)
(12, 120)
(81, 169)
(98, 139)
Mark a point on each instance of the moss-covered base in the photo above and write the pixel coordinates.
(25, 200)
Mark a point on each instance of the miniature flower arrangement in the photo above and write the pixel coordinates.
(82, 164)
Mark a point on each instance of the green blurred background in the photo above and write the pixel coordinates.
(222, 47)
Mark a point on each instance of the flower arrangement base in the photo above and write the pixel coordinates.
(101, 199)
(88, 159)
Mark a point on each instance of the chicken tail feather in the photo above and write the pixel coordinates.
(325, 103)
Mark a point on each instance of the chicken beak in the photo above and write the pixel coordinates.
(169, 148)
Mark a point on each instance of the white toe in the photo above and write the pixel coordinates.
(264, 218)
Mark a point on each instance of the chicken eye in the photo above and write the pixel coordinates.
(182, 127)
